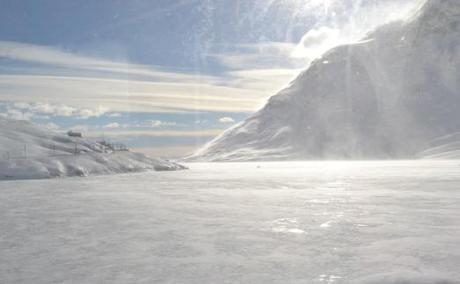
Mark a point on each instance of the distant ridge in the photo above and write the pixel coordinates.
(30, 152)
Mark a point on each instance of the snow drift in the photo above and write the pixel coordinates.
(446, 147)
(385, 97)
(28, 152)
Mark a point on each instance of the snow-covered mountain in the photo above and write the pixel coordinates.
(387, 96)
(29, 152)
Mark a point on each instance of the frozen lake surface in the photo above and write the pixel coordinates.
(310, 222)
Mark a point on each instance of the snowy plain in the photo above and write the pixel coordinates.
(280, 222)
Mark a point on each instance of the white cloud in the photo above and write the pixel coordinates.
(317, 41)
(55, 110)
(88, 113)
(155, 123)
(17, 114)
(20, 105)
(226, 120)
(43, 110)
(112, 125)
(160, 123)
(144, 125)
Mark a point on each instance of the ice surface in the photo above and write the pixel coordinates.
(386, 96)
(298, 222)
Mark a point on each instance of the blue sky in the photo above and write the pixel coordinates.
(165, 76)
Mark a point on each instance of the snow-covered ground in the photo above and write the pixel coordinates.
(28, 151)
(298, 222)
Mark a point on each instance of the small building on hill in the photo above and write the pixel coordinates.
(71, 133)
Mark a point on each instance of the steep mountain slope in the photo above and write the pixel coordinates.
(446, 147)
(27, 151)
(384, 97)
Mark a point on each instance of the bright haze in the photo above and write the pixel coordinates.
(165, 77)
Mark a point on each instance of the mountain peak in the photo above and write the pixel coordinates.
(386, 97)
(439, 11)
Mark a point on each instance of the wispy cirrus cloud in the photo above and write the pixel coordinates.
(112, 125)
(266, 67)
(262, 55)
(147, 89)
(129, 95)
(51, 56)
(155, 133)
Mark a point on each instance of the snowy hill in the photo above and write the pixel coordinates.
(26, 151)
(384, 97)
